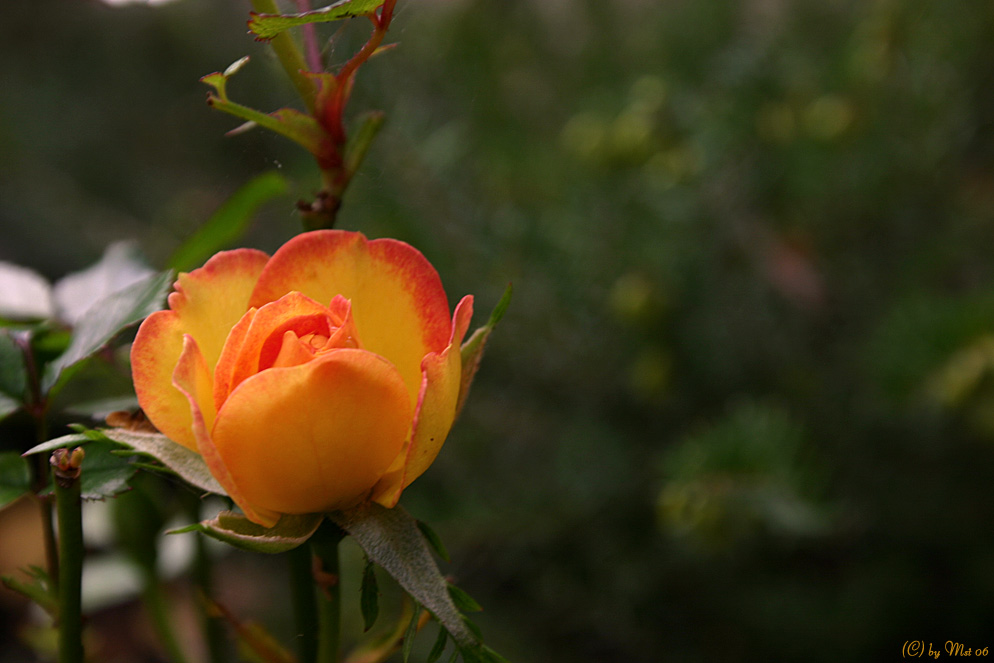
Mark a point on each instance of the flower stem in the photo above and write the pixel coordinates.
(290, 57)
(304, 603)
(70, 511)
(326, 575)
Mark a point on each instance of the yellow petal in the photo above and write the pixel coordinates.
(206, 304)
(314, 437)
(436, 410)
(211, 300)
(157, 347)
(398, 303)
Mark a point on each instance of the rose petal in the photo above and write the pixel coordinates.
(211, 300)
(192, 378)
(435, 412)
(207, 303)
(255, 344)
(400, 308)
(154, 354)
(314, 437)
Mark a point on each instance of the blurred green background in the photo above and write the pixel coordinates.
(742, 405)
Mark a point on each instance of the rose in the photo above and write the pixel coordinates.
(314, 380)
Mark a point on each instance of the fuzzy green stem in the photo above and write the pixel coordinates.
(304, 603)
(326, 576)
(290, 57)
(69, 506)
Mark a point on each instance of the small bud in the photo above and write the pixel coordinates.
(67, 465)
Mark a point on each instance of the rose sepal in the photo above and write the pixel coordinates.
(472, 349)
(237, 530)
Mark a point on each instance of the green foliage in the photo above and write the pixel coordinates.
(287, 122)
(105, 319)
(173, 457)
(267, 26)
(391, 538)
(37, 588)
(15, 477)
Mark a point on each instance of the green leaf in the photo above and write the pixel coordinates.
(15, 477)
(237, 530)
(463, 600)
(412, 630)
(267, 26)
(13, 371)
(106, 318)
(439, 646)
(37, 588)
(103, 473)
(434, 540)
(188, 465)
(369, 600)
(229, 222)
(58, 443)
(119, 267)
(391, 538)
(472, 350)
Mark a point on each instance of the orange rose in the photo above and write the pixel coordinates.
(311, 381)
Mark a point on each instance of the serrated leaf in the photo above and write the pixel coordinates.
(463, 600)
(434, 540)
(106, 319)
(24, 294)
(103, 474)
(237, 530)
(188, 465)
(438, 647)
(267, 26)
(391, 538)
(15, 477)
(369, 598)
(118, 268)
(229, 222)
(472, 349)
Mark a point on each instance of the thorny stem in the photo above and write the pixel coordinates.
(289, 56)
(310, 34)
(381, 23)
(66, 471)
